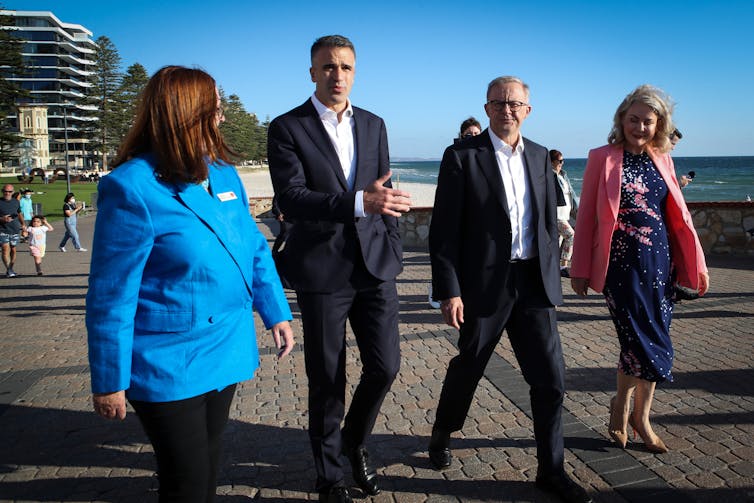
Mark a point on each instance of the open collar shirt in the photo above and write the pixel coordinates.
(342, 134)
(510, 162)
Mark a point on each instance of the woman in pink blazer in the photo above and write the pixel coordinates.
(634, 241)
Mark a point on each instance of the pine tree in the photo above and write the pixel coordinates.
(106, 82)
(131, 86)
(11, 63)
(241, 130)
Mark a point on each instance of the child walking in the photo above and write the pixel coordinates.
(38, 239)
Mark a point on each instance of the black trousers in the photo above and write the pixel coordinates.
(371, 307)
(530, 321)
(185, 435)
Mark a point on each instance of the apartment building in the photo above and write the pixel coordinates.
(59, 62)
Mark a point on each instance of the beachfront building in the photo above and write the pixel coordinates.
(35, 148)
(59, 61)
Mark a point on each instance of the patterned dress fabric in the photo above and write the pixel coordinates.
(639, 286)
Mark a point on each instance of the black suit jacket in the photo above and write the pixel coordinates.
(325, 241)
(470, 233)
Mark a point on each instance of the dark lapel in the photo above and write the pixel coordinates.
(485, 158)
(536, 176)
(208, 208)
(362, 139)
(312, 124)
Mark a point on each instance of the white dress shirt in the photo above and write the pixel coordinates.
(512, 168)
(342, 137)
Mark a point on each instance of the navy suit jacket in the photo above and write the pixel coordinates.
(325, 241)
(174, 276)
(470, 232)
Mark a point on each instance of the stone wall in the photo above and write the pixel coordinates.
(723, 227)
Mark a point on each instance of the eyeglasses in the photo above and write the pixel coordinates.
(499, 105)
(558, 161)
(7, 192)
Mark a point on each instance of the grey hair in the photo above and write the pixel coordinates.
(508, 79)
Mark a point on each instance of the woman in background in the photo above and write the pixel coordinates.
(178, 264)
(634, 240)
(70, 212)
(567, 206)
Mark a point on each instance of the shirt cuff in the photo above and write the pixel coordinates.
(358, 207)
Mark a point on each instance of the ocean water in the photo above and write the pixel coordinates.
(716, 178)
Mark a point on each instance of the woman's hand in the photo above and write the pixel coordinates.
(110, 405)
(703, 283)
(580, 286)
(282, 333)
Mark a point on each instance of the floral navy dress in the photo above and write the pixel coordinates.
(638, 287)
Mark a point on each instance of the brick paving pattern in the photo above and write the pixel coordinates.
(54, 448)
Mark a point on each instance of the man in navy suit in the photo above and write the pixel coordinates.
(493, 243)
(330, 169)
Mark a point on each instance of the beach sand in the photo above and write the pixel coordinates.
(258, 184)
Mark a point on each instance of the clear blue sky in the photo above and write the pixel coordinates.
(424, 65)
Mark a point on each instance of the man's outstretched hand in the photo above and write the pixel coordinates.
(379, 199)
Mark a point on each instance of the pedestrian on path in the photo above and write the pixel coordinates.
(11, 228)
(178, 267)
(37, 233)
(70, 212)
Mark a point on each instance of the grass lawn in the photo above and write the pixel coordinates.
(51, 195)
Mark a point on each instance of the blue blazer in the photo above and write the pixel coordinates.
(174, 276)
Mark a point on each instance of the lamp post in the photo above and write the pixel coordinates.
(65, 134)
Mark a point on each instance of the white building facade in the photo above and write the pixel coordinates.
(59, 59)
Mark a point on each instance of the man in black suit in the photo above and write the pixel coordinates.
(493, 242)
(330, 169)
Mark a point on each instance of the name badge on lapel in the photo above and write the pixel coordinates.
(226, 196)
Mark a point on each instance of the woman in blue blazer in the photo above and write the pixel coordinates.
(178, 265)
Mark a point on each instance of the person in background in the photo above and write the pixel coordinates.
(494, 254)
(330, 168)
(27, 206)
(674, 138)
(11, 228)
(567, 206)
(178, 268)
(470, 127)
(634, 240)
(37, 233)
(70, 212)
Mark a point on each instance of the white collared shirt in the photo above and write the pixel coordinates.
(342, 136)
(512, 168)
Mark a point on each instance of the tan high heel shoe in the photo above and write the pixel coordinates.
(656, 447)
(620, 437)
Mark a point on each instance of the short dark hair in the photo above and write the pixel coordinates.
(68, 197)
(555, 155)
(471, 121)
(331, 41)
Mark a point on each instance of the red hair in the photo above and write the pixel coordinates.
(176, 121)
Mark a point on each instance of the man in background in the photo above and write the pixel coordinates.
(12, 225)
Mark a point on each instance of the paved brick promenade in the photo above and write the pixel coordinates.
(54, 448)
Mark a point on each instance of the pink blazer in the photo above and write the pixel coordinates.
(598, 214)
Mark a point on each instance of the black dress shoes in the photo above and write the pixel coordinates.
(439, 449)
(561, 485)
(364, 476)
(338, 494)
